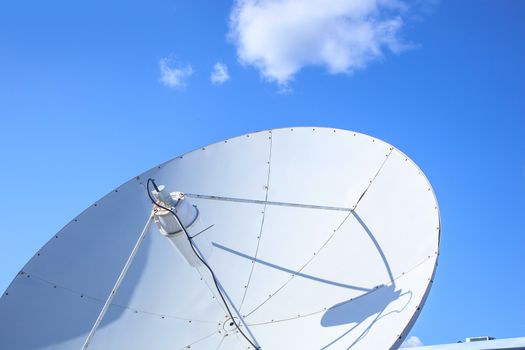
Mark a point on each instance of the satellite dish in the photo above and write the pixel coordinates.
(316, 238)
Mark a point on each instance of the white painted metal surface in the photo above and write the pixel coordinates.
(496, 344)
(322, 238)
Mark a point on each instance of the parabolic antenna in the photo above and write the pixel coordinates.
(316, 238)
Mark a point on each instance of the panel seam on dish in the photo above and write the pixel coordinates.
(259, 236)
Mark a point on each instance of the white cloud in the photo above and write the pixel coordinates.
(220, 74)
(280, 37)
(172, 73)
(412, 342)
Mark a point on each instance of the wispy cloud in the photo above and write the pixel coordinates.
(220, 74)
(412, 342)
(281, 37)
(173, 73)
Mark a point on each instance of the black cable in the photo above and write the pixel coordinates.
(150, 180)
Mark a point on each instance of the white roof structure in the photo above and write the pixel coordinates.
(321, 239)
(496, 344)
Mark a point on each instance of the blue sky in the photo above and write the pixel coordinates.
(84, 107)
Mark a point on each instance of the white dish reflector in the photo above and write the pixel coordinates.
(320, 239)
